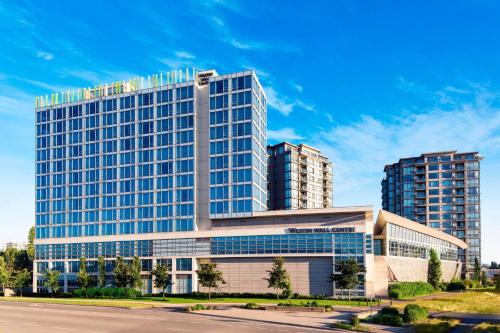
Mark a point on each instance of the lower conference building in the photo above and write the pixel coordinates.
(311, 241)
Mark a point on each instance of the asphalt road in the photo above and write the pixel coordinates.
(41, 318)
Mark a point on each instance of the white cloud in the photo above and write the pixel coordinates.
(305, 106)
(45, 55)
(184, 55)
(297, 87)
(283, 134)
(283, 105)
(218, 21)
(277, 102)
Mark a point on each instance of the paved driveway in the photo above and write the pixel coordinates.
(51, 318)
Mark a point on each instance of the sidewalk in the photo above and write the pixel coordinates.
(299, 319)
(468, 318)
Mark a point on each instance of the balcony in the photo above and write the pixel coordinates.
(419, 171)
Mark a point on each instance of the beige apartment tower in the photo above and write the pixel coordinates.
(299, 177)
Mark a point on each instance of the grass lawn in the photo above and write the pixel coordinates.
(434, 326)
(194, 299)
(486, 301)
(131, 304)
(145, 302)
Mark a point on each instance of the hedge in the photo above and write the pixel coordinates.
(386, 319)
(414, 312)
(389, 311)
(106, 293)
(410, 289)
(456, 286)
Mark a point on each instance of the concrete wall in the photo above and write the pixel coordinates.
(380, 278)
(415, 269)
(309, 275)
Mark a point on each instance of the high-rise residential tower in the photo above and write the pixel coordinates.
(442, 191)
(298, 177)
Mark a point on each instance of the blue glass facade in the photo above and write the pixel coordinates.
(238, 171)
(118, 165)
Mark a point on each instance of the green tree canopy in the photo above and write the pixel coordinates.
(83, 276)
(52, 281)
(121, 273)
(278, 278)
(348, 275)
(31, 246)
(135, 273)
(162, 278)
(22, 280)
(477, 270)
(434, 274)
(4, 273)
(209, 276)
(101, 272)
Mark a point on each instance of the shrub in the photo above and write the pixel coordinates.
(389, 311)
(328, 308)
(414, 312)
(251, 306)
(470, 283)
(355, 321)
(456, 286)
(197, 307)
(391, 320)
(410, 289)
(443, 286)
(349, 327)
(106, 293)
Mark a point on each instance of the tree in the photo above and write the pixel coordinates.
(23, 261)
(121, 273)
(83, 277)
(10, 255)
(4, 274)
(497, 282)
(477, 271)
(494, 265)
(434, 273)
(31, 246)
(209, 276)
(278, 277)
(52, 281)
(135, 273)
(162, 278)
(22, 280)
(484, 279)
(348, 275)
(101, 272)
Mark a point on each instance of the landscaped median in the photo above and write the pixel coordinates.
(105, 298)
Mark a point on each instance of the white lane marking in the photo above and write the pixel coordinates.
(31, 324)
(3, 321)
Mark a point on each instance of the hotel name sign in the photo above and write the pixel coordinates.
(320, 230)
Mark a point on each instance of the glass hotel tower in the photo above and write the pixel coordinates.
(127, 159)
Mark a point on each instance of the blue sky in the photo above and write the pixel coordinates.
(368, 82)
